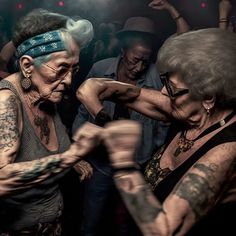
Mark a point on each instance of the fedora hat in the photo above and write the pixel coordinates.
(138, 24)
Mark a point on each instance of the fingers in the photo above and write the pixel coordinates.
(84, 169)
(121, 139)
(122, 134)
(87, 138)
(88, 130)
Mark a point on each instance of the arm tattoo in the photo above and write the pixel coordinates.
(197, 190)
(9, 131)
(139, 202)
(32, 170)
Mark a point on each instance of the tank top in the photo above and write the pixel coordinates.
(219, 220)
(43, 203)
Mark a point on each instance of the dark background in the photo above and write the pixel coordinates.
(198, 13)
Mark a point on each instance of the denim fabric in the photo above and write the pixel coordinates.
(96, 193)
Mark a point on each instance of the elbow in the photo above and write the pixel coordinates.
(82, 90)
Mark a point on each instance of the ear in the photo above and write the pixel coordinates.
(122, 52)
(26, 64)
(209, 103)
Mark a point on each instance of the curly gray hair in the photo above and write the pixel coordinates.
(205, 59)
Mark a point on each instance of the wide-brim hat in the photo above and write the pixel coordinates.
(138, 25)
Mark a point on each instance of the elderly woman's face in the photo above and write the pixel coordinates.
(54, 76)
(183, 107)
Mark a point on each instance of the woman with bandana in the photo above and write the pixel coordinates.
(35, 150)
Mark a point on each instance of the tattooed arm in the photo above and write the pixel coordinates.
(192, 198)
(149, 102)
(15, 177)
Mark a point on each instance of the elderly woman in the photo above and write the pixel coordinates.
(35, 148)
(193, 175)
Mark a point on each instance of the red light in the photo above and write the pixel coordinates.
(203, 5)
(19, 5)
(61, 3)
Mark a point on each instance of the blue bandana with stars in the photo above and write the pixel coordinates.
(41, 44)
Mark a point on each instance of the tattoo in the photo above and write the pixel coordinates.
(9, 131)
(38, 168)
(140, 202)
(197, 190)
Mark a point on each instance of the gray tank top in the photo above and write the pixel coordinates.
(43, 203)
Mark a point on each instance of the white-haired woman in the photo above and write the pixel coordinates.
(35, 149)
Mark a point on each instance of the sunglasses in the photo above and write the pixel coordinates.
(171, 90)
(64, 71)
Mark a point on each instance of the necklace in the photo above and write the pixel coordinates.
(185, 144)
(42, 123)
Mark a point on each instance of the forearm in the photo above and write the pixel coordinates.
(224, 12)
(181, 24)
(16, 177)
(141, 203)
(93, 91)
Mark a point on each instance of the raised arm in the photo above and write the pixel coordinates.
(15, 177)
(224, 8)
(149, 102)
(191, 199)
(181, 24)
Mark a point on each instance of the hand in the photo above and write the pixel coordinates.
(86, 138)
(84, 169)
(159, 4)
(121, 139)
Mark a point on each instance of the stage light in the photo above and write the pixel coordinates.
(61, 4)
(203, 5)
(19, 5)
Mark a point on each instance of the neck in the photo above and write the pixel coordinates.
(207, 121)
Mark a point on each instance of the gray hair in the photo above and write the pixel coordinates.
(205, 60)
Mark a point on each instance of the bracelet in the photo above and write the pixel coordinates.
(102, 118)
(126, 168)
(177, 17)
(223, 21)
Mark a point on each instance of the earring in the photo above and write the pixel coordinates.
(26, 82)
(208, 111)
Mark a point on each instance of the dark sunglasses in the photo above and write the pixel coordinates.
(172, 91)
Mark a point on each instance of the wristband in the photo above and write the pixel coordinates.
(126, 168)
(223, 20)
(102, 118)
(177, 17)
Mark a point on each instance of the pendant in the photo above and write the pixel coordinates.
(42, 123)
(177, 151)
(184, 145)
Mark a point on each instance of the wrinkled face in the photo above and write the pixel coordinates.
(54, 77)
(136, 60)
(183, 106)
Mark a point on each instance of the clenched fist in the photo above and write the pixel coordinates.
(86, 138)
(121, 139)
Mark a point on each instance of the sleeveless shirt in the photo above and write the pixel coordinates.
(219, 221)
(43, 203)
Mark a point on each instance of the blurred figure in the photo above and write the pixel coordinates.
(107, 44)
(6, 54)
(134, 65)
(181, 24)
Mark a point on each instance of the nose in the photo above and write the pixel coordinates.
(139, 66)
(67, 79)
